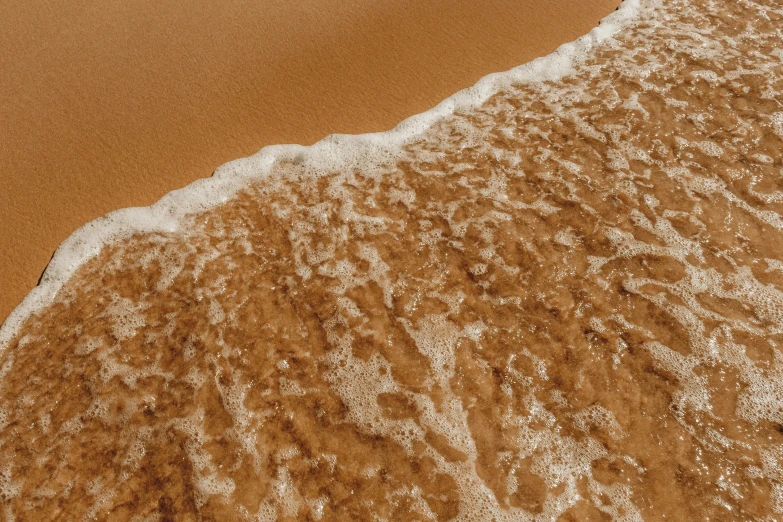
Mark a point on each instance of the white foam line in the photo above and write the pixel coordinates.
(332, 153)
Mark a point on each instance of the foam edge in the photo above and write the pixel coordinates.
(331, 153)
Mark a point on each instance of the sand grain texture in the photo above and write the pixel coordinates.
(561, 301)
(110, 104)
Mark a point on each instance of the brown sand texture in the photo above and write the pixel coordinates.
(110, 104)
(561, 301)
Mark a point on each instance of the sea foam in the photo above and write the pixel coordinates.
(335, 152)
(563, 301)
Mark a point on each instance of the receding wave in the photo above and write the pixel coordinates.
(561, 297)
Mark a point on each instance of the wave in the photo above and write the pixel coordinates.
(333, 152)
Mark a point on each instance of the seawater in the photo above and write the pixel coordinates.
(561, 302)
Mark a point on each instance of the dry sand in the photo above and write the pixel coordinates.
(112, 104)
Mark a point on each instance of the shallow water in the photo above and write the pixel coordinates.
(565, 303)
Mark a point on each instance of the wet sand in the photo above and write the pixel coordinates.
(562, 303)
(109, 105)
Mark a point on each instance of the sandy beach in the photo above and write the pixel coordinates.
(106, 105)
(556, 295)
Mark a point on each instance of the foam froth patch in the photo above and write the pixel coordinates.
(553, 297)
(332, 153)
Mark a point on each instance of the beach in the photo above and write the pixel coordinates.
(556, 294)
(106, 105)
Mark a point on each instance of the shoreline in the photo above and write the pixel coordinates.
(334, 151)
(107, 106)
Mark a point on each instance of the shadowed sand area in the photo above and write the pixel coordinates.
(110, 104)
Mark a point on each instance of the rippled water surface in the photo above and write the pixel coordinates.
(565, 303)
